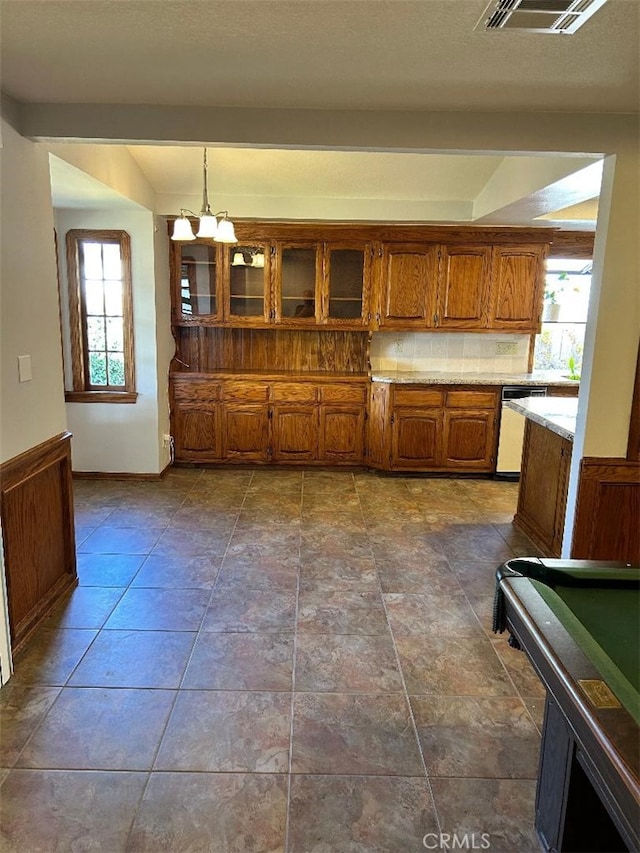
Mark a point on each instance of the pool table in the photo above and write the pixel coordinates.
(579, 624)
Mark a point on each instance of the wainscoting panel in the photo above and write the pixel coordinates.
(36, 507)
(607, 525)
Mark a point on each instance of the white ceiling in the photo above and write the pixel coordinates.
(321, 54)
(341, 54)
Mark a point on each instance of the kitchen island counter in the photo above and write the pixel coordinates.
(557, 414)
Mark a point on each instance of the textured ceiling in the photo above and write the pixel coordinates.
(365, 54)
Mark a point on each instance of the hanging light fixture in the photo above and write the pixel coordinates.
(221, 231)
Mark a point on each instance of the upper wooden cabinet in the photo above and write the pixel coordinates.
(464, 286)
(340, 277)
(247, 284)
(196, 282)
(517, 284)
(408, 283)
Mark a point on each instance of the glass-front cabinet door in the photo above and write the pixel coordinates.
(197, 279)
(247, 276)
(347, 275)
(297, 283)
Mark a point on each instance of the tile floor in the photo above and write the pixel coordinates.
(275, 661)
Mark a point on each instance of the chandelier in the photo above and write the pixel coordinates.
(220, 230)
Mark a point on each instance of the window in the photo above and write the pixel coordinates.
(566, 302)
(101, 317)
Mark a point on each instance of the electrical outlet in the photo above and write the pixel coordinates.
(166, 440)
(506, 348)
(398, 346)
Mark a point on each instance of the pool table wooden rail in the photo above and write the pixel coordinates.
(603, 741)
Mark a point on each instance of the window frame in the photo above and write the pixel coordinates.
(83, 391)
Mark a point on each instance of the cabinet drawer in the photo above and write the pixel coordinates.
(485, 399)
(250, 392)
(293, 392)
(196, 392)
(343, 394)
(417, 396)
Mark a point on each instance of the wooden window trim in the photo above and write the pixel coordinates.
(82, 392)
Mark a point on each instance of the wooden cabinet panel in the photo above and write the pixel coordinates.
(343, 393)
(196, 391)
(416, 396)
(246, 432)
(472, 399)
(197, 433)
(408, 286)
(416, 438)
(341, 437)
(293, 392)
(246, 391)
(517, 280)
(295, 433)
(464, 287)
(542, 496)
(377, 431)
(469, 440)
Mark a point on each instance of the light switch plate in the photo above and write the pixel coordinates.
(24, 368)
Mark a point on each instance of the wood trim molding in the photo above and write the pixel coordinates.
(263, 231)
(607, 511)
(119, 475)
(36, 508)
(100, 396)
(572, 244)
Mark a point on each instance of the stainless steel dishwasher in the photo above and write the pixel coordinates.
(512, 430)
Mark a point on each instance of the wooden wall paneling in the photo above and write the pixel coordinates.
(607, 522)
(572, 244)
(36, 507)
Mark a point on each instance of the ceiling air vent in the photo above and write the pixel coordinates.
(538, 16)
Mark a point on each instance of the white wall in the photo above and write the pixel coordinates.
(112, 437)
(30, 412)
(165, 343)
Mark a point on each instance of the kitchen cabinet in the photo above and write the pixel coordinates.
(464, 284)
(346, 284)
(542, 495)
(408, 282)
(433, 428)
(195, 271)
(460, 287)
(329, 276)
(247, 284)
(517, 284)
(248, 421)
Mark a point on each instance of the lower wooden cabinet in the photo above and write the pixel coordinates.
(416, 438)
(469, 439)
(246, 432)
(433, 428)
(544, 481)
(295, 433)
(248, 421)
(341, 437)
(197, 433)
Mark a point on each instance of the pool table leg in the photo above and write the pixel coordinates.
(570, 815)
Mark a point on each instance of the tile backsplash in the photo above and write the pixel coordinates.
(449, 351)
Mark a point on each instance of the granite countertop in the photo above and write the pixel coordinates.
(435, 377)
(557, 414)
